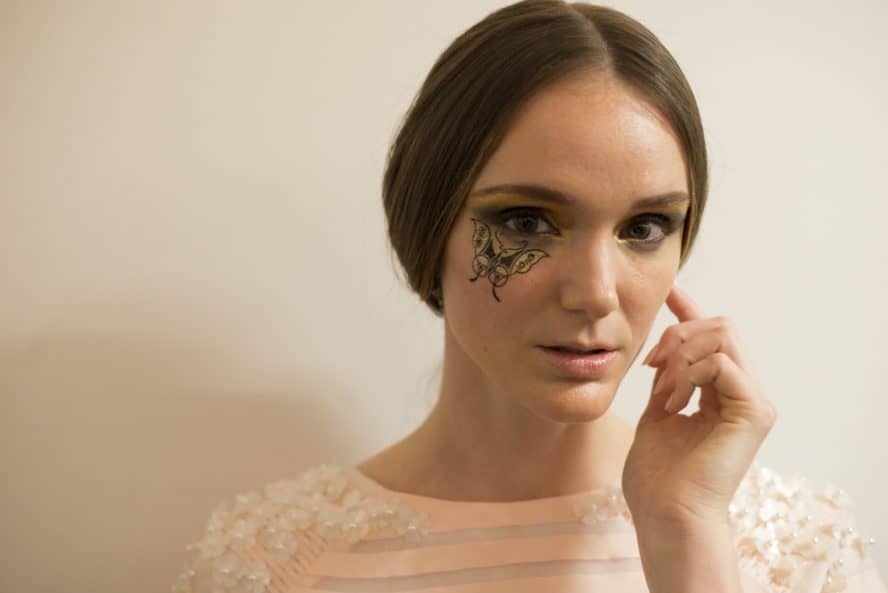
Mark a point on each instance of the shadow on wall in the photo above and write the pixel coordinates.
(118, 447)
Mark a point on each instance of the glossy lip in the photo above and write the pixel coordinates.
(587, 366)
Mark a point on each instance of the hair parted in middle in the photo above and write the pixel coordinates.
(475, 89)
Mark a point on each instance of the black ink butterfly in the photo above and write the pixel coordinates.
(498, 263)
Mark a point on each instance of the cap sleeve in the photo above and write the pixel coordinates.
(793, 537)
(267, 539)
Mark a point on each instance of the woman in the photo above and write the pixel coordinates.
(543, 192)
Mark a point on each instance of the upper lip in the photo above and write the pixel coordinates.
(583, 347)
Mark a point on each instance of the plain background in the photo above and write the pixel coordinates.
(197, 295)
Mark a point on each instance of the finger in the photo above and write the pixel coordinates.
(651, 353)
(682, 305)
(673, 375)
(756, 404)
(686, 310)
(716, 337)
(654, 409)
(677, 335)
(720, 377)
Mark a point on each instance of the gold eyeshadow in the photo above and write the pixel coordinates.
(548, 195)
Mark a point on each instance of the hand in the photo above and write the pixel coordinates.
(684, 470)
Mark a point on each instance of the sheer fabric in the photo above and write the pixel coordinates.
(334, 529)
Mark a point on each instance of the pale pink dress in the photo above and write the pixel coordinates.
(334, 529)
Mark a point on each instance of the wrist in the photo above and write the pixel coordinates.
(679, 557)
(688, 527)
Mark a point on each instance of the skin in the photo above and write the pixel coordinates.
(508, 426)
(682, 471)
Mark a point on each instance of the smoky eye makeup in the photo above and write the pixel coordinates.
(644, 232)
(668, 221)
(503, 216)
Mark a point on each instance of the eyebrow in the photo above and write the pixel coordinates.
(547, 194)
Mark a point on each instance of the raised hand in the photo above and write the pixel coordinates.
(684, 470)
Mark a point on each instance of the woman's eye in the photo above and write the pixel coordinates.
(641, 230)
(648, 230)
(526, 221)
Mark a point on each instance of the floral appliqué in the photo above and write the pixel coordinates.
(780, 524)
(291, 522)
(783, 524)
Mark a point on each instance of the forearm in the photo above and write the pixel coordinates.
(689, 561)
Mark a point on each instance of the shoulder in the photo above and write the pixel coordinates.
(287, 524)
(790, 531)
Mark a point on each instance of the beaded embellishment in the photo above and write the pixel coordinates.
(782, 524)
(290, 521)
(603, 504)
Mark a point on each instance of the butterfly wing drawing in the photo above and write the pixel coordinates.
(498, 263)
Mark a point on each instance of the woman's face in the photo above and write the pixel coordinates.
(592, 270)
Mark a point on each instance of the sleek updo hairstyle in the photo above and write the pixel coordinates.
(464, 108)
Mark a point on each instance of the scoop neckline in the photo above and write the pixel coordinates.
(606, 489)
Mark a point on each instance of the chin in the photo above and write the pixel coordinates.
(581, 402)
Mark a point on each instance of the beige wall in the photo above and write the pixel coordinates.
(197, 296)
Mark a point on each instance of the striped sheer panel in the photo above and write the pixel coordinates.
(336, 530)
(562, 556)
(479, 548)
(559, 575)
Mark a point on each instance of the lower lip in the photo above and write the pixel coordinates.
(580, 365)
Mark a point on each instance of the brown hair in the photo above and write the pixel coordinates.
(464, 108)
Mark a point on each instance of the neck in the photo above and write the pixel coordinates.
(482, 445)
(489, 459)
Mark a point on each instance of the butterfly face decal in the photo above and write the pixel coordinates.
(498, 262)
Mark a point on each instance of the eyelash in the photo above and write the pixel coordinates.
(669, 224)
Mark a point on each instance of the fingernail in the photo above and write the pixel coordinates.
(650, 355)
(658, 386)
(659, 355)
(671, 402)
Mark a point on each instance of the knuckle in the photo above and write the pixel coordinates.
(671, 332)
(680, 353)
(727, 325)
(721, 359)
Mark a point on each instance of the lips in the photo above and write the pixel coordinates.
(586, 366)
(581, 349)
(575, 350)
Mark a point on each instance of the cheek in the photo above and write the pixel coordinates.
(493, 286)
(644, 292)
(500, 264)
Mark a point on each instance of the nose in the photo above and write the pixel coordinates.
(589, 281)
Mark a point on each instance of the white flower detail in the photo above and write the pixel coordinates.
(277, 520)
(778, 529)
(602, 504)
